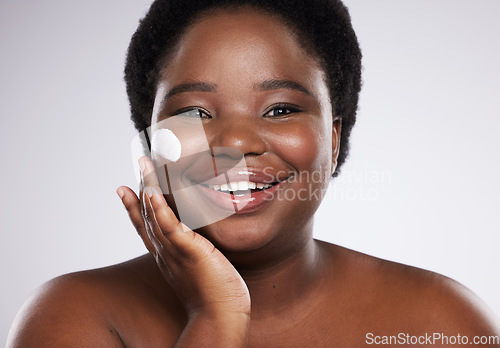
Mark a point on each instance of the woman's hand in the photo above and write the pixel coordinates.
(212, 291)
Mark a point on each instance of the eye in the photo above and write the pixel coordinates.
(281, 110)
(192, 113)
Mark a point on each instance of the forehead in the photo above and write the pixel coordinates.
(240, 43)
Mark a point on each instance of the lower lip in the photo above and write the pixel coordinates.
(239, 205)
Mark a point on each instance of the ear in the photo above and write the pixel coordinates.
(336, 130)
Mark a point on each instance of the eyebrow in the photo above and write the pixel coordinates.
(191, 87)
(269, 85)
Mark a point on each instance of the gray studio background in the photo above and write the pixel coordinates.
(421, 186)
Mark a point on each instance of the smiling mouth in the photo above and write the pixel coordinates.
(241, 188)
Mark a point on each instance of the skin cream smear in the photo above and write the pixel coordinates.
(166, 144)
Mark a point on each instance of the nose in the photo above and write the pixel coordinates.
(242, 133)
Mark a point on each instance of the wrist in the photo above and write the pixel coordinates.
(216, 329)
(223, 317)
(221, 309)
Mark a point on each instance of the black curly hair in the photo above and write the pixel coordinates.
(323, 25)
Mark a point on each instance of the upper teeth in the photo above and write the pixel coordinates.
(239, 185)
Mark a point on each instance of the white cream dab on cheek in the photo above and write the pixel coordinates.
(166, 144)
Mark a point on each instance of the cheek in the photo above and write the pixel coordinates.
(305, 147)
(190, 132)
(193, 144)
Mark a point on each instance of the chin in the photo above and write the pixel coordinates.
(233, 236)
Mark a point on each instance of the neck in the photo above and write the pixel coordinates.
(293, 276)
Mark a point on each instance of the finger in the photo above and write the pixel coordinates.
(148, 179)
(149, 234)
(149, 176)
(150, 186)
(155, 242)
(166, 255)
(172, 230)
(153, 228)
(159, 205)
(132, 205)
(166, 228)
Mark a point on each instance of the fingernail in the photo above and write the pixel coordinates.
(120, 192)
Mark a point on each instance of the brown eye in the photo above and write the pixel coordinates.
(192, 113)
(281, 110)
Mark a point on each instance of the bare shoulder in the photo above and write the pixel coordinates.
(107, 307)
(395, 298)
(64, 311)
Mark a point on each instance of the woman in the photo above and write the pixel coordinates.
(278, 83)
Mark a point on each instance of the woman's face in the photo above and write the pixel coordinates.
(265, 98)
